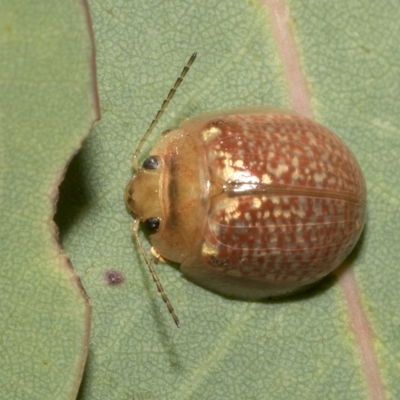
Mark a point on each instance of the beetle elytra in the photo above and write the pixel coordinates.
(252, 202)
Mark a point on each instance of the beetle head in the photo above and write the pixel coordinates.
(142, 192)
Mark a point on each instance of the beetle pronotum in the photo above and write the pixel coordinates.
(252, 202)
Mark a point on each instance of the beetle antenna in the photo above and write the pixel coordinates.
(162, 109)
(154, 275)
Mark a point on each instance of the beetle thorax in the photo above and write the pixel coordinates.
(176, 192)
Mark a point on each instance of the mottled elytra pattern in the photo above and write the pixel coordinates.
(294, 200)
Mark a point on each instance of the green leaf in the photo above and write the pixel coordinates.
(299, 348)
(46, 109)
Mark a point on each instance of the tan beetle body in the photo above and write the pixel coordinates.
(253, 203)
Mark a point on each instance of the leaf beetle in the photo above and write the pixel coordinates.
(252, 202)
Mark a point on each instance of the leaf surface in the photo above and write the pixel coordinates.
(298, 348)
(46, 109)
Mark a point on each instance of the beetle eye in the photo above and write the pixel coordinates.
(151, 162)
(151, 224)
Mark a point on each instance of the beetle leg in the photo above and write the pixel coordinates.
(157, 256)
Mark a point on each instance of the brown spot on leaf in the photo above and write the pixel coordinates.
(113, 278)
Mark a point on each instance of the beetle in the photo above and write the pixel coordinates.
(252, 203)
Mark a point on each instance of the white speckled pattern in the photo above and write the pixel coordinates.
(294, 203)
